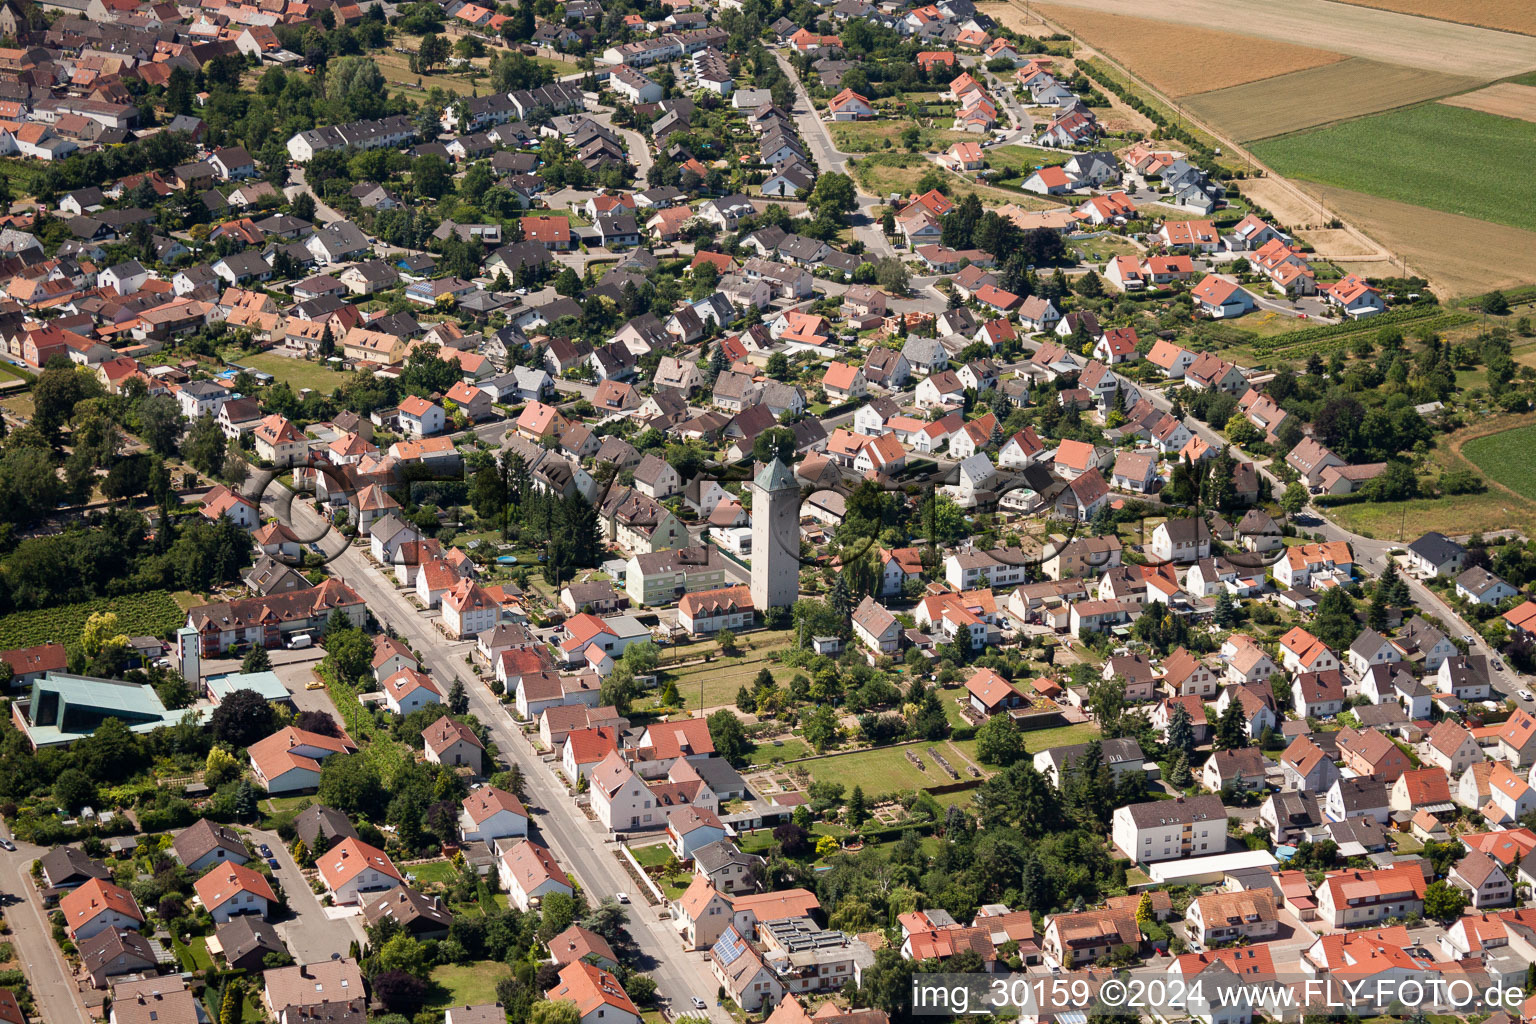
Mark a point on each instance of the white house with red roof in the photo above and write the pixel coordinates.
(1049, 181)
(1221, 299)
(96, 906)
(289, 760)
(279, 442)
(489, 814)
(1354, 296)
(229, 890)
(468, 610)
(587, 748)
(223, 503)
(419, 417)
(452, 743)
(410, 690)
(611, 635)
(529, 871)
(850, 106)
(963, 156)
(598, 996)
(352, 867)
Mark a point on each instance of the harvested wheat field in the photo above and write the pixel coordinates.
(1509, 15)
(1318, 96)
(1181, 60)
(1459, 255)
(1285, 207)
(1355, 31)
(1506, 99)
(1339, 244)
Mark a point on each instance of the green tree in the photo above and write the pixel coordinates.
(729, 736)
(819, 726)
(775, 443)
(1443, 901)
(73, 789)
(402, 953)
(256, 660)
(858, 807)
(1231, 728)
(1000, 741)
(1181, 730)
(242, 718)
(349, 653)
(554, 1011)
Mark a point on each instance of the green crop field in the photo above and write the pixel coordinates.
(1506, 457)
(153, 613)
(1441, 157)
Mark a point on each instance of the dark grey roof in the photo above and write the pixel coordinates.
(1182, 810)
(1437, 548)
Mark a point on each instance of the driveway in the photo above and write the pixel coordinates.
(310, 933)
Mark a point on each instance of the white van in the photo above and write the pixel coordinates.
(299, 641)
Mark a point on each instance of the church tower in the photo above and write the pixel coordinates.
(775, 537)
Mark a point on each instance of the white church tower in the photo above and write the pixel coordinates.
(775, 537)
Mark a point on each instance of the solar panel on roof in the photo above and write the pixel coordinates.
(729, 948)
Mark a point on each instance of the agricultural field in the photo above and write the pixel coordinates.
(1460, 255)
(1506, 99)
(1420, 156)
(1441, 46)
(1506, 458)
(153, 613)
(1180, 60)
(1320, 95)
(1508, 15)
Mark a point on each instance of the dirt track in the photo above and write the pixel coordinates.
(1505, 99)
(1357, 31)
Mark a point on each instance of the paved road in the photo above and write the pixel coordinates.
(54, 991)
(579, 844)
(866, 223)
(311, 935)
(323, 213)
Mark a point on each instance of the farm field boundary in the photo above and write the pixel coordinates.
(1506, 99)
(1322, 95)
(1183, 59)
(1420, 156)
(1504, 457)
(1378, 35)
(1459, 255)
(1503, 15)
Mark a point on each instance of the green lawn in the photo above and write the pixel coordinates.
(1506, 457)
(1457, 514)
(194, 955)
(722, 677)
(10, 372)
(887, 769)
(433, 871)
(296, 373)
(788, 750)
(1420, 155)
(466, 984)
(652, 856)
